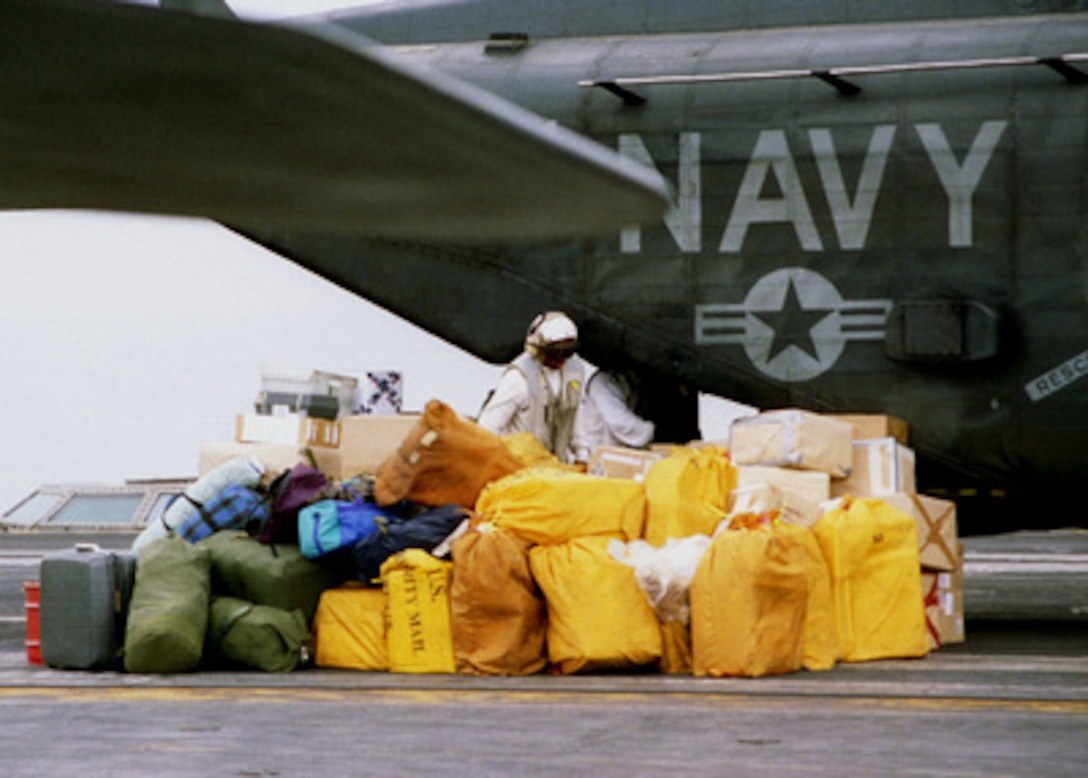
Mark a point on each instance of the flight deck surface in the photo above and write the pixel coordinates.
(1011, 700)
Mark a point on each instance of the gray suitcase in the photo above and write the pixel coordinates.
(85, 593)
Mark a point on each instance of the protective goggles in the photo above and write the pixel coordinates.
(559, 352)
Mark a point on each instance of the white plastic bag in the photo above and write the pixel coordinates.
(664, 573)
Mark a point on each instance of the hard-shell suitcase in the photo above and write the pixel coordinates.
(85, 593)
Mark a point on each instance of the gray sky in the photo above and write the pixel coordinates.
(127, 342)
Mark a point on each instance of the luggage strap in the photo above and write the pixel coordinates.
(204, 515)
(195, 503)
(225, 627)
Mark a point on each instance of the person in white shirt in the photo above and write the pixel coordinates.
(606, 417)
(541, 390)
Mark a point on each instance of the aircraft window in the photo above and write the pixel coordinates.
(158, 508)
(31, 510)
(98, 509)
(506, 43)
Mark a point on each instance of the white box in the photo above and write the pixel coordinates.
(275, 457)
(261, 428)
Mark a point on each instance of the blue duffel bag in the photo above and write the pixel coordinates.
(234, 507)
(330, 525)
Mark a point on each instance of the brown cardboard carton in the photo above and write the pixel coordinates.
(622, 462)
(942, 593)
(879, 467)
(791, 506)
(938, 542)
(812, 486)
(362, 443)
(324, 433)
(871, 425)
(360, 431)
(793, 438)
(665, 449)
(274, 457)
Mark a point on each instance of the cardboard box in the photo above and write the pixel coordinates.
(361, 443)
(942, 593)
(262, 428)
(622, 462)
(791, 506)
(275, 457)
(793, 438)
(880, 467)
(870, 425)
(358, 430)
(812, 486)
(938, 540)
(319, 391)
(665, 449)
(324, 433)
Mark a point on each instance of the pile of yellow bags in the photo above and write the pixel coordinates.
(574, 573)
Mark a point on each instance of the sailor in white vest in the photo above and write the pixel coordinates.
(540, 391)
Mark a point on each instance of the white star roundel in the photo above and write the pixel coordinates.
(793, 324)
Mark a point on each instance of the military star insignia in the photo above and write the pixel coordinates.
(793, 324)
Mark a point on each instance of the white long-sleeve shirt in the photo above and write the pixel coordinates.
(606, 419)
(506, 409)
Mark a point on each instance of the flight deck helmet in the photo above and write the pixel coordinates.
(552, 337)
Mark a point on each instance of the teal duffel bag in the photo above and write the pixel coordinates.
(330, 525)
(168, 613)
(257, 636)
(264, 574)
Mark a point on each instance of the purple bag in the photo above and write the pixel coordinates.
(292, 491)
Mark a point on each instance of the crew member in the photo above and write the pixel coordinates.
(541, 390)
(607, 418)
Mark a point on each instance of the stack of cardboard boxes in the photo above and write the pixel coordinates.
(365, 426)
(342, 448)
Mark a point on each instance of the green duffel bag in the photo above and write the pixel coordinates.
(168, 613)
(257, 636)
(264, 574)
